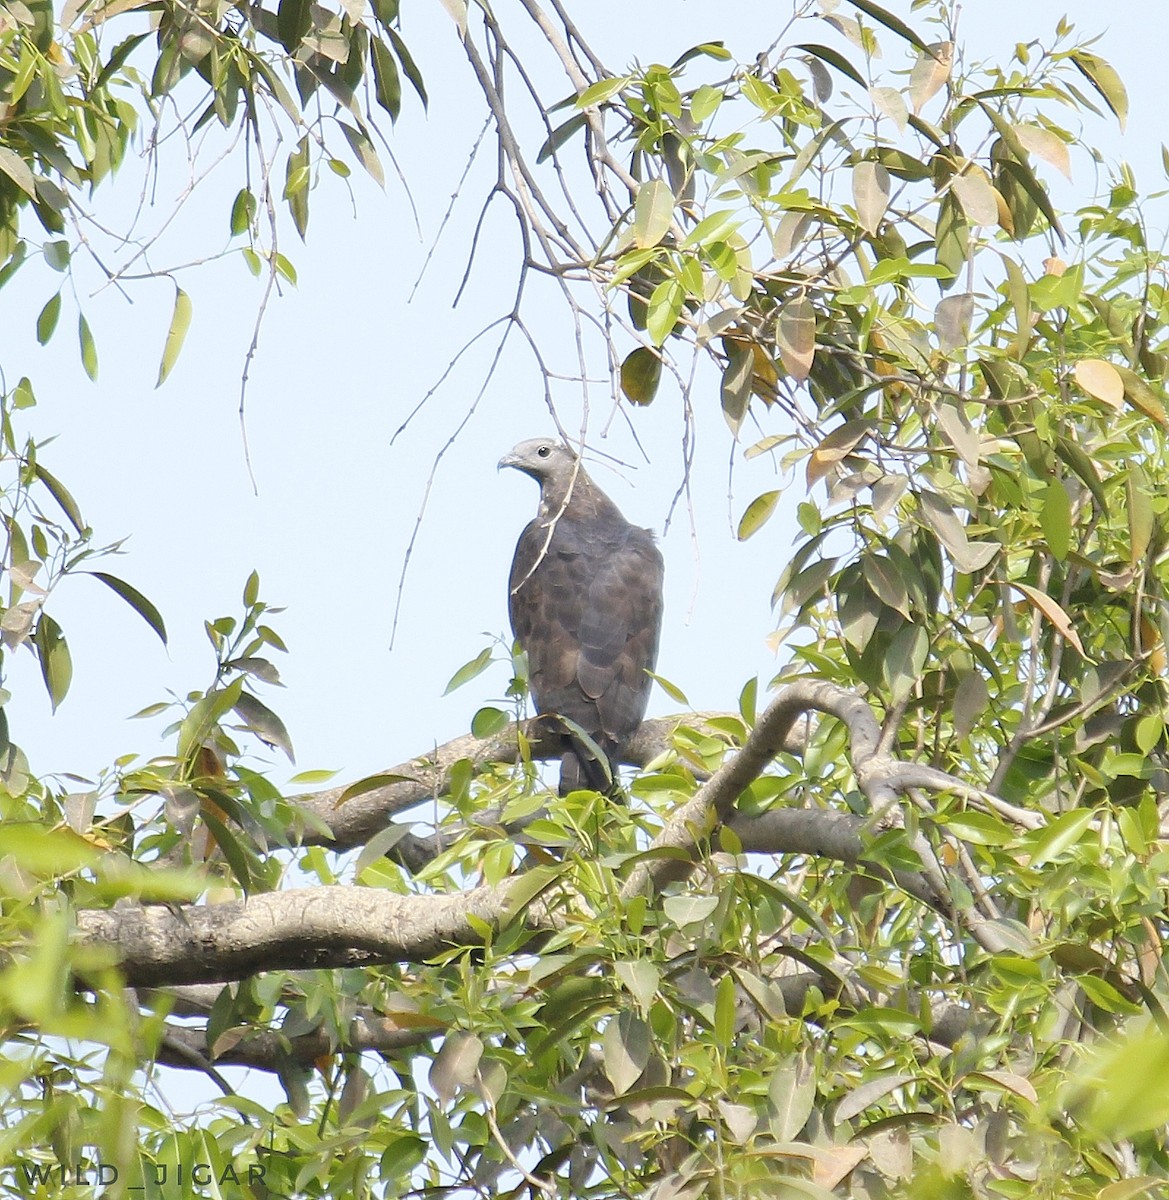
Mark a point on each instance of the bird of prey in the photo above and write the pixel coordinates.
(586, 606)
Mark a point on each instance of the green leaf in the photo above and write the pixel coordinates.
(117, 60)
(979, 828)
(284, 268)
(469, 670)
(1142, 397)
(55, 660)
(641, 372)
(232, 847)
(671, 689)
(61, 494)
(715, 227)
(387, 82)
(641, 978)
(870, 192)
(523, 889)
(46, 852)
(409, 66)
(387, 10)
(23, 395)
(706, 100)
(487, 722)
(47, 321)
(136, 600)
(197, 725)
(890, 22)
(1063, 833)
(57, 254)
(366, 154)
(243, 212)
(1055, 519)
(264, 723)
(626, 1046)
(653, 212)
(716, 50)
(724, 1010)
(737, 380)
(1118, 1086)
(560, 135)
(686, 910)
(834, 59)
(371, 784)
(747, 700)
(1019, 168)
(293, 21)
(664, 309)
(1103, 77)
(12, 165)
(88, 349)
(758, 513)
(296, 181)
(903, 665)
(602, 90)
(1141, 517)
(180, 322)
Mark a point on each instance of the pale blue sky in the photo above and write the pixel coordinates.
(342, 359)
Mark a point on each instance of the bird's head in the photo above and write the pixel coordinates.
(542, 458)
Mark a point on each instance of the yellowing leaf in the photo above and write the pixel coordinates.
(978, 199)
(736, 383)
(796, 337)
(890, 103)
(1054, 613)
(870, 194)
(653, 211)
(836, 446)
(458, 13)
(1046, 145)
(930, 73)
(952, 320)
(17, 170)
(1140, 514)
(791, 233)
(1101, 380)
(1142, 397)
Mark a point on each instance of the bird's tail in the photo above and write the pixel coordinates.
(587, 762)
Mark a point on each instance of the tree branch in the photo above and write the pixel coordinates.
(301, 929)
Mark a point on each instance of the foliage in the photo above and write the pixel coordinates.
(921, 953)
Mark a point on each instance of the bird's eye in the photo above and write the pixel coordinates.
(544, 451)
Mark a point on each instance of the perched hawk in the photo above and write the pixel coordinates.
(586, 606)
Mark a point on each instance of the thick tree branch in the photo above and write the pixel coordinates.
(329, 927)
(301, 929)
(344, 826)
(714, 802)
(881, 777)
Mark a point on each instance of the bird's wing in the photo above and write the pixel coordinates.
(620, 625)
(548, 583)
